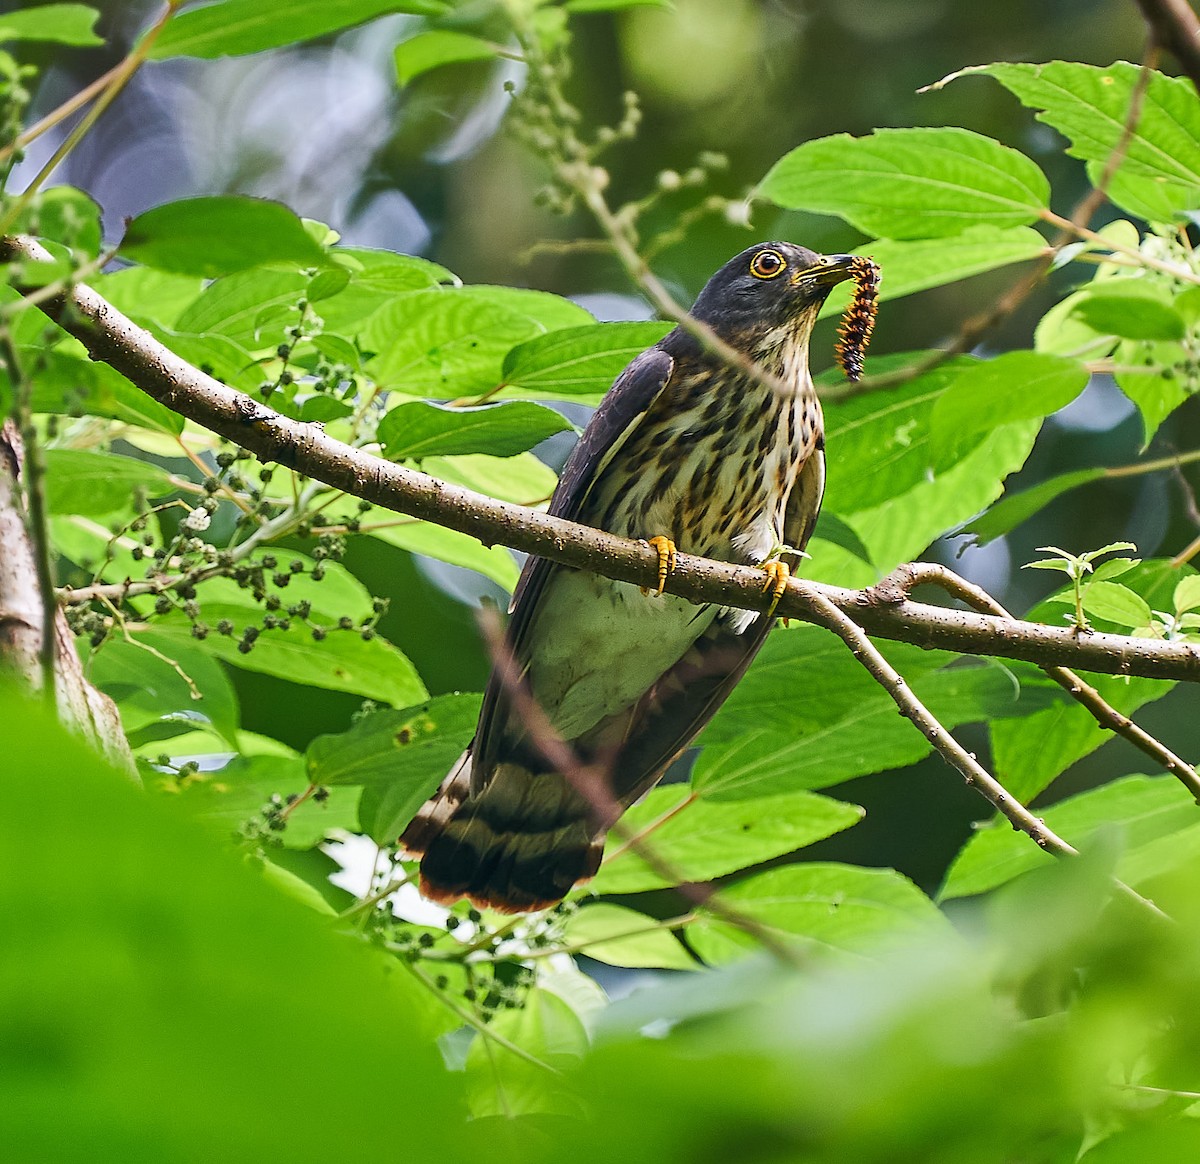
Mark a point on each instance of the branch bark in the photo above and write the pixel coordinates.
(884, 611)
(1174, 25)
(80, 706)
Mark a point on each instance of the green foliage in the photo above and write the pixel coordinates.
(211, 593)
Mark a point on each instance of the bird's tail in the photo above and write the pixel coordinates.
(520, 843)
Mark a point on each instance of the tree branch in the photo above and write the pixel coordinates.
(883, 610)
(1174, 25)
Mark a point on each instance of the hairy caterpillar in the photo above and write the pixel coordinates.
(855, 331)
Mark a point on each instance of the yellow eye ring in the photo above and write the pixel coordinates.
(767, 265)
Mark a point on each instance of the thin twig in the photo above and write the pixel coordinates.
(1107, 716)
(948, 747)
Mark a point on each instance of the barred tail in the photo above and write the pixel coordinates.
(521, 843)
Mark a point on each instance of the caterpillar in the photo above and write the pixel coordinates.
(855, 331)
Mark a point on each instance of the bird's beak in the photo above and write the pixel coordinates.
(830, 269)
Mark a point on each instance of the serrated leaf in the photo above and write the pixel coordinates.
(1012, 387)
(839, 907)
(578, 361)
(237, 27)
(431, 50)
(910, 183)
(1089, 105)
(219, 236)
(914, 265)
(1144, 808)
(1159, 390)
(231, 306)
(1012, 509)
(398, 757)
(448, 545)
(342, 661)
(623, 937)
(1187, 594)
(85, 482)
(1116, 603)
(147, 294)
(60, 23)
(774, 735)
(419, 429)
(703, 839)
(1137, 317)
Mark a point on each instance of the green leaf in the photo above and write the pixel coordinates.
(237, 27)
(232, 306)
(502, 1083)
(448, 545)
(916, 265)
(1138, 317)
(1012, 509)
(1143, 808)
(63, 214)
(624, 937)
(343, 661)
(148, 294)
(840, 907)
(149, 688)
(910, 183)
(774, 734)
(1159, 390)
(523, 479)
(442, 343)
(612, 5)
(831, 528)
(431, 50)
(1030, 753)
(79, 481)
(1089, 105)
(1187, 594)
(218, 236)
(419, 429)
(160, 960)
(578, 361)
(399, 757)
(62, 23)
(1012, 387)
(74, 385)
(701, 839)
(1116, 603)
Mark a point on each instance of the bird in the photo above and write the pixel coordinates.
(691, 453)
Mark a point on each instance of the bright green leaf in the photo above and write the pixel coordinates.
(1138, 317)
(623, 937)
(1012, 509)
(841, 907)
(1143, 808)
(81, 481)
(701, 839)
(1012, 387)
(237, 27)
(1187, 594)
(910, 183)
(578, 361)
(418, 429)
(218, 236)
(399, 757)
(448, 545)
(61, 23)
(1116, 603)
(431, 50)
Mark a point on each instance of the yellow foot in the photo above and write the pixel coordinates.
(666, 561)
(777, 573)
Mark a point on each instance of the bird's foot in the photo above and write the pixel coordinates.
(777, 573)
(666, 562)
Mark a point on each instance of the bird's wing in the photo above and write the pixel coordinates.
(680, 703)
(619, 414)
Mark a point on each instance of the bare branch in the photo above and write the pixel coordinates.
(884, 611)
(947, 746)
(1105, 714)
(1174, 25)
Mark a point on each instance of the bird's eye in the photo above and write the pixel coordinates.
(767, 264)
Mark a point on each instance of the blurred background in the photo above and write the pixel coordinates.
(430, 170)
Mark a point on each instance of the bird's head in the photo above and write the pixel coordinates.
(770, 294)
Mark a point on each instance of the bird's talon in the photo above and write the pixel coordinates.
(666, 562)
(777, 573)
